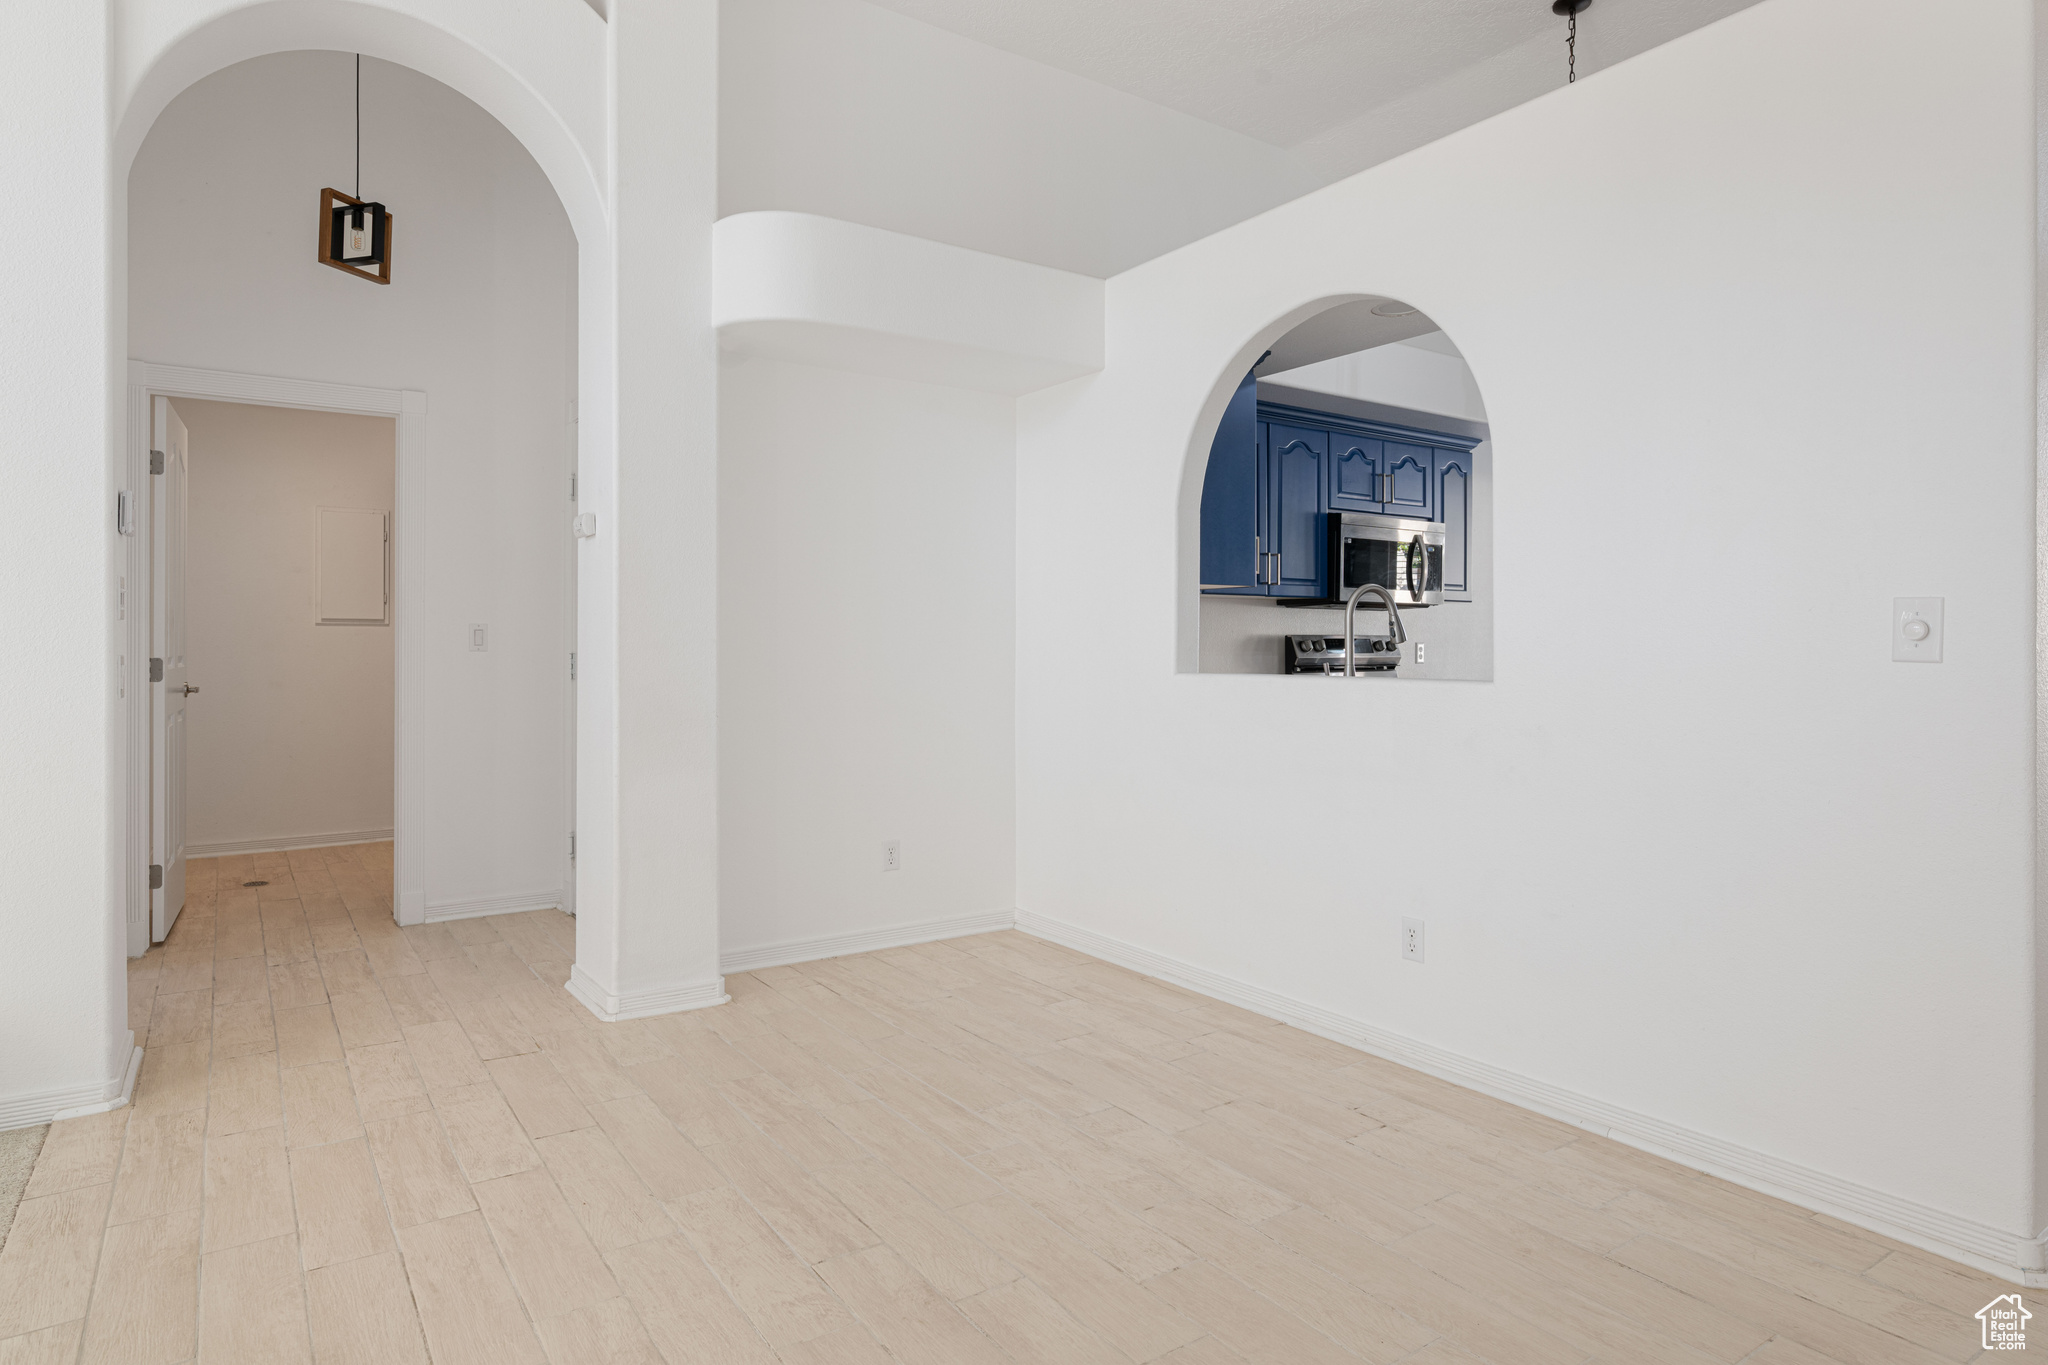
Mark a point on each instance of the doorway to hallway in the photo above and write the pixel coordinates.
(273, 592)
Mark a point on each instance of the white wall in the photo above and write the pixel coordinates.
(1701, 860)
(479, 315)
(290, 738)
(866, 650)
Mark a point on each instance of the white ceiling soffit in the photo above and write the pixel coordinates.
(1286, 71)
(820, 291)
(1344, 330)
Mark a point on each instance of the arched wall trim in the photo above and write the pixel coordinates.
(542, 69)
(537, 66)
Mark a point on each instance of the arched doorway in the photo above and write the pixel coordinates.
(295, 739)
(549, 74)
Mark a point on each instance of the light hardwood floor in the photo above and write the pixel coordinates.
(357, 1144)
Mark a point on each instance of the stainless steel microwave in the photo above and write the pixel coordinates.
(1401, 554)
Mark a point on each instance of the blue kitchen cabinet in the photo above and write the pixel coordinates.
(1411, 480)
(1288, 539)
(1297, 531)
(1276, 472)
(1454, 509)
(1233, 508)
(1357, 464)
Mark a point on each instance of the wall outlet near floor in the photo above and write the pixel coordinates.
(892, 856)
(1411, 939)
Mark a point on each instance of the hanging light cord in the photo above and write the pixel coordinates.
(359, 122)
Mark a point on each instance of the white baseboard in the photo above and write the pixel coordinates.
(288, 843)
(863, 941)
(492, 905)
(48, 1106)
(689, 995)
(1988, 1248)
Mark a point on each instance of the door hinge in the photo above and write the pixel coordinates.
(156, 462)
(156, 876)
(156, 670)
(572, 845)
(572, 488)
(572, 665)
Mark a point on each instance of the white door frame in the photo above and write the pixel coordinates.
(409, 407)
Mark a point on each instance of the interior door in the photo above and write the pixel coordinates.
(167, 643)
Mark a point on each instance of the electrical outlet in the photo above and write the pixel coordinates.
(479, 638)
(1419, 647)
(892, 856)
(1411, 939)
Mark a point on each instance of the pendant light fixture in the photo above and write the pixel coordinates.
(1570, 10)
(355, 234)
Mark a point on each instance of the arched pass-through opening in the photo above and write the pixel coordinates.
(1345, 444)
(538, 70)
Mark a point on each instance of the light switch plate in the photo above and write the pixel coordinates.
(1919, 616)
(479, 638)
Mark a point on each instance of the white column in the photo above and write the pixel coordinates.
(651, 946)
(63, 940)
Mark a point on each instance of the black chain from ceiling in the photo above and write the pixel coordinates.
(1570, 9)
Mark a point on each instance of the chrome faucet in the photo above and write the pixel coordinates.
(1394, 626)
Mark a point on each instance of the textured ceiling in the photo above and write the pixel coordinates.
(1284, 71)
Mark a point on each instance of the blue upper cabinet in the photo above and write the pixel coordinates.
(1411, 480)
(1296, 458)
(1277, 472)
(1356, 466)
(1454, 509)
(1233, 499)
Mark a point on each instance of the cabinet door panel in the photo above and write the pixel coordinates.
(1454, 509)
(1231, 498)
(1356, 463)
(1297, 458)
(1411, 471)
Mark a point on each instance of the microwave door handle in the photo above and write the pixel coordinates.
(1415, 570)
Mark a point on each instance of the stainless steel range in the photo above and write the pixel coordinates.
(1325, 654)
